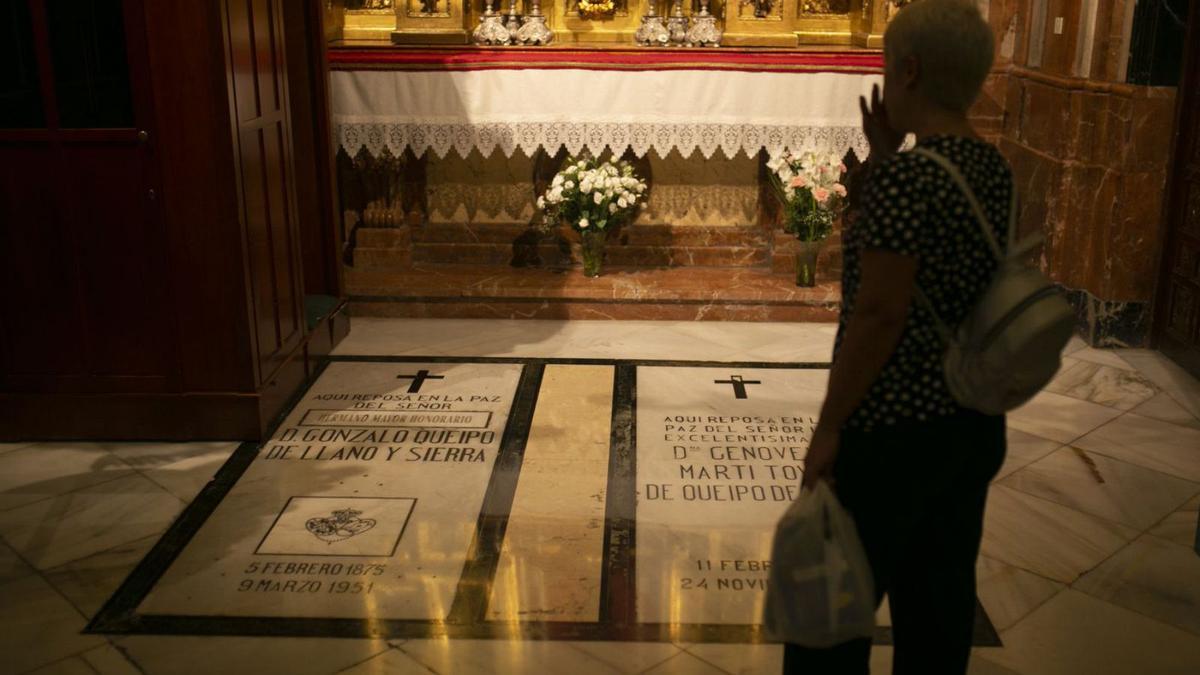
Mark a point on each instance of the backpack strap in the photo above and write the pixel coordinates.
(943, 329)
(980, 215)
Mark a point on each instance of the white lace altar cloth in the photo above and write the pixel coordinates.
(527, 109)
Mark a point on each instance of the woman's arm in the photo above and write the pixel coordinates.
(872, 333)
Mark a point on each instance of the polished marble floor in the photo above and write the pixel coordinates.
(1088, 563)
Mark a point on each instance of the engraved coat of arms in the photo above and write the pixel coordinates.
(341, 526)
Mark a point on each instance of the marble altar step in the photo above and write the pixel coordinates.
(670, 293)
(396, 249)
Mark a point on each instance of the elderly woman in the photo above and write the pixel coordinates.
(910, 464)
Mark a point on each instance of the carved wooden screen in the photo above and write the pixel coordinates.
(1177, 321)
(259, 106)
(82, 249)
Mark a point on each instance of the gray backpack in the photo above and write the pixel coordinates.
(1010, 345)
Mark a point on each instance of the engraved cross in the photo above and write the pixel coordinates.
(739, 385)
(418, 380)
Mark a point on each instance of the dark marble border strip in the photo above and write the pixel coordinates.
(533, 360)
(984, 632)
(119, 614)
(618, 581)
(421, 630)
(460, 299)
(479, 573)
(619, 622)
(1197, 544)
(1109, 323)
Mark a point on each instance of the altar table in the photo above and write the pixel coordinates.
(639, 100)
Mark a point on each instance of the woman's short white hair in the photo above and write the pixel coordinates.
(953, 44)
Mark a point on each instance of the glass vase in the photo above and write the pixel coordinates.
(806, 263)
(592, 251)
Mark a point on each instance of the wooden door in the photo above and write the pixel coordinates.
(1177, 316)
(82, 252)
(258, 93)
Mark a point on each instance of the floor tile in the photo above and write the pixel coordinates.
(1048, 517)
(652, 340)
(73, 665)
(553, 550)
(1181, 526)
(55, 531)
(246, 655)
(1104, 357)
(11, 565)
(1075, 344)
(629, 657)
(182, 468)
(44, 470)
(1024, 449)
(9, 447)
(981, 666)
(1060, 418)
(1074, 634)
(501, 657)
(882, 656)
(1096, 484)
(1155, 445)
(108, 660)
(1151, 576)
(1120, 388)
(38, 626)
(799, 343)
(1009, 594)
(89, 582)
(388, 663)
(105, 660)
(741, 659)
(883, 615)
(1164, 408)
(1169, 377)
(1045, 538)
(685, 664)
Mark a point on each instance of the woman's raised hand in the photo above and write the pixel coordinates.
(884, 139)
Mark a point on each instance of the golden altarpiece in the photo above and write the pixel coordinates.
(452, 117)
(746, 23)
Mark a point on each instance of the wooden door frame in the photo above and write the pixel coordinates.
(318, 54)
(1186, 139)
(57, 140)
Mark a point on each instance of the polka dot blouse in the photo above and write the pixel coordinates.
(913, 207)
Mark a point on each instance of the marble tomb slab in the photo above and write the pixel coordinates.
(719, 456)
(367, 496)
(427, 498)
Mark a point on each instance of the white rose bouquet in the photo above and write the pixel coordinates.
(810, 188)
(593, 197)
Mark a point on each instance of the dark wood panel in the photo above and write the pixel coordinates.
(268, 34)
(308, 99)
(87, 302)
(283, 232)
(243, 68)
(193, 139)
(122, 260)
(258, 242)
(43, 327)
(266, 175)
(1177, 315)
(137, 313)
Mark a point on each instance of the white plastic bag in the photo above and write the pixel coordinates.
(821, 590)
